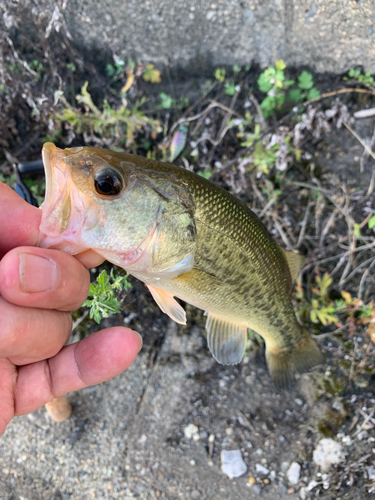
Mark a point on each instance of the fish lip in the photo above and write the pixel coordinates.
(47, 150)
(50, 153)
(55, 170)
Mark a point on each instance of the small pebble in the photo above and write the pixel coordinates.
(232, 463)
(190, 430)
(294, 472)
(328, 453)
(261, 469)
(59, 409)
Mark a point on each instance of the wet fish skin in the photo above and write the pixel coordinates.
(183, 236)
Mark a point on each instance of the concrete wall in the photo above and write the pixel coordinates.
(327, 35)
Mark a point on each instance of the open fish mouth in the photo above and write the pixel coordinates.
(55, 170)
(58, 227)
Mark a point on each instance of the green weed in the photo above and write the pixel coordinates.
(121, 123)
(151, 74)
(37, 189)
(326, 311)
(371, 222)
(365, 78)
(8, 179)
(104, 301)
(263, 157)
(219, 74)
(115, 69)
(231, 88)
(168, 102)
(305, 90)
(72, 67)
(274, 83)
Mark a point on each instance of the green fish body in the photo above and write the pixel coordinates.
(184, 237)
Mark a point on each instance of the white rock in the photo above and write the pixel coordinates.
(293, 473)
(232, 463)
(327, 453)
(190, 430)
(261, 469)
(312, 485)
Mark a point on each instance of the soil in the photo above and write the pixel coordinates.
(126, 437)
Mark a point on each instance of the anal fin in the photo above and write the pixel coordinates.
(226, 341)
(168, 304)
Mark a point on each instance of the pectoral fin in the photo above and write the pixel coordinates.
(226, 341)
(168, 304)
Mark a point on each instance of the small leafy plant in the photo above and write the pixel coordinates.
(104, 301)
(166, 101)
(151, 74)
(324, 310)
(305, 90)
(116, 68)
(365, 78)
(121, 123)
(274, 83)
(231, 88)
(263, 157)
(219, 74)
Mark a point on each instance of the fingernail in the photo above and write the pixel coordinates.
(37, 274)
(141, 339)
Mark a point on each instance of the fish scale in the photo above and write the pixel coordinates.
(184, 237)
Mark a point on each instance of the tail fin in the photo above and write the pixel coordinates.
(283, 365)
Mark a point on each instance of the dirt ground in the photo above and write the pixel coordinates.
(126, 437)
(158, 430)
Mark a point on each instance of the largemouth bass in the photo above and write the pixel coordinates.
(184, 237)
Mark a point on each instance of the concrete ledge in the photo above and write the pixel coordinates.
(326, 35)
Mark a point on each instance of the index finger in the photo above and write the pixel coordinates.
(19, 221)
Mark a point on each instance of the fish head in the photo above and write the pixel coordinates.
(97, 199)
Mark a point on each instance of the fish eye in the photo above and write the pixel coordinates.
(108, 183)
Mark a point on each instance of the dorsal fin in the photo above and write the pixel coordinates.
(225, 340)
(168, 304)
(295, 262)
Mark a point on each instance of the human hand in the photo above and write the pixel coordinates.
(38, 288)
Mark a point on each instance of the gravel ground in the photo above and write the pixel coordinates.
(126, 436)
